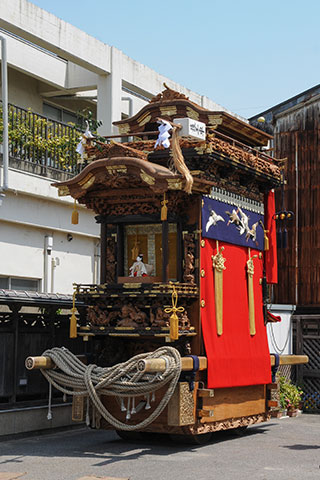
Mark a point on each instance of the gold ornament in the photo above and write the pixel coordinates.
(174, 320)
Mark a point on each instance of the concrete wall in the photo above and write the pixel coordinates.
(31, 211)
(33, 419)
(23, 91)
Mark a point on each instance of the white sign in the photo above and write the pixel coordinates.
(191, 128)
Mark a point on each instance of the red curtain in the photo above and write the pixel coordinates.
(235, 358)
(271, 261)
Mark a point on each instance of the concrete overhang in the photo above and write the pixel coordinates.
(46, 30)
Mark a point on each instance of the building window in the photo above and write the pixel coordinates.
(59, 114)
(14, 283)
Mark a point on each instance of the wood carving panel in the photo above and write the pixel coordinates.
(111, 260)
(189, 258)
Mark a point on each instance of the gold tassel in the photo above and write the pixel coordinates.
(164, 208)
(174, 327)
(75, 214)
(266, 240)
(73, 318)
(218, 265)
(174, 320)
(265, 236)
(250, 272)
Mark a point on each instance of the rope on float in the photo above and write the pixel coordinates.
(121, 380)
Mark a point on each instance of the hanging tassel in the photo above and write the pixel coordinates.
(87, 414)
(251, 304)
(178, 159)
(153, 398)
(49, 415)
(266, 240)
(133, 409)
(284, 238)
(164, 209)
(64, 398)
(75, 214)
(174, 327)
(279, 238)
(174, 320)
(148, 406)
(122, 406)
(128, 416)
(265, 236)
(73, 318)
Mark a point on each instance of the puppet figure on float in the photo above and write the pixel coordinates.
(140, 269)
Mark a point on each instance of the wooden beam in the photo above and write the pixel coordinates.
(159, 364)
(290, 359)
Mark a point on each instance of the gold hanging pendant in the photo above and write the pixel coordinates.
(75, 214)
(73, 318)
(265, 236)
(266, 240)
(164, 208)
(250, 272)
(218, 265)
(174, 320)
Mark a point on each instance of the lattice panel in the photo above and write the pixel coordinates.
(285, 371)
(311, 397)
(311, 347)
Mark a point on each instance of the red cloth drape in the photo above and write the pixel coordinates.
(271, 261)
(235, 358)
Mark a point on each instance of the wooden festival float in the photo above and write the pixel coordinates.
(187, 248)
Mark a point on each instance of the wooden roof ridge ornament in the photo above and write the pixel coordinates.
(218, 266)
(168, 94)
(250, 272)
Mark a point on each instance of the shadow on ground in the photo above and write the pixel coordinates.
(105, 446)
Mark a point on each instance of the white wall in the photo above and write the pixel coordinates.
(280, 334)
(32, 210)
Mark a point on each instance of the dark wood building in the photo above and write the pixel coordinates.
(295, 124)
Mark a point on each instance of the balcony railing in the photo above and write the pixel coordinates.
(40, 145)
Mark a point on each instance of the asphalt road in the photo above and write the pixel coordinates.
(282, 449)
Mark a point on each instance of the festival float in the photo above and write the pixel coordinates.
(185, 202)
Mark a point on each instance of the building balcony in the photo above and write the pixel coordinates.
(40, 145)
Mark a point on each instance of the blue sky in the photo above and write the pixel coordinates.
(246, 55)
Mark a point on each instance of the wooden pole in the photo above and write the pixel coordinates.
(159, 364)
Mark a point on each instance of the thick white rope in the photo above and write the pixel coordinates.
(121, 380)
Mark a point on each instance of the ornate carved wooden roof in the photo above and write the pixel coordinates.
(170, 105)
(129, 181)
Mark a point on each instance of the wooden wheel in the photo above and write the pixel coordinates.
(129, 436)
(199, 439)
(240, 431)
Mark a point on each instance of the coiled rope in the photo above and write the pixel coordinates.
(123, 380)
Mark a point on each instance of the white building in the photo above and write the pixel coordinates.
(55, 70)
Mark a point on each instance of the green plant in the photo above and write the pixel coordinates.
(33, 136)
(290, 394)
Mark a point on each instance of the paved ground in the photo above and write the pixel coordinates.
(283, 449)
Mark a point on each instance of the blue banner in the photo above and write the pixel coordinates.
(232, 223)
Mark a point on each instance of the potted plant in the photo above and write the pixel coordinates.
(290, 396)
